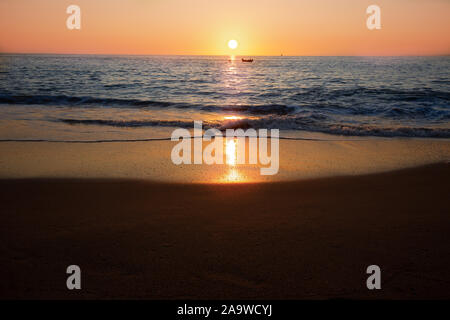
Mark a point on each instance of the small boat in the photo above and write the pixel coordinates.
(247, 60)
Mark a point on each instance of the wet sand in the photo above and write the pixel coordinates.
(298, 160)
(304, 239)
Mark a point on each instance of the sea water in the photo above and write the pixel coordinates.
(89, 97)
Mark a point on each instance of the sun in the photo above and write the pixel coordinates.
(232, 44)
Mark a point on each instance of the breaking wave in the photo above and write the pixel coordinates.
(304, 123)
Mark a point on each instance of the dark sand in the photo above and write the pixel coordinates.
(288, 240)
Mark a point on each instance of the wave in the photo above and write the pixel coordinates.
(129, 123)
(390, 103)
(62, 100)
(355, 111)
(381, 93)
(303, 123)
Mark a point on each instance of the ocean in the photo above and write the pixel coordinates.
(91, 97)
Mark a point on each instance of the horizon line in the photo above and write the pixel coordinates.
(217, 55)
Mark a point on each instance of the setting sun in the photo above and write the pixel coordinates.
(232, 44)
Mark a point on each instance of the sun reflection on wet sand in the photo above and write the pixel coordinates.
(233, 174)
(231, 151)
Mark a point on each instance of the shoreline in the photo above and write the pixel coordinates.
(309, 239)
(298, 160)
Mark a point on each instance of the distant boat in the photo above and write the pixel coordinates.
(247, 60)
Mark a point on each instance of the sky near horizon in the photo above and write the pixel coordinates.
(261, 27)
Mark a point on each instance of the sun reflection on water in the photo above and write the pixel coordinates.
(232, 118)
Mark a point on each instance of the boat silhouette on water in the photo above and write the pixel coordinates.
(247, 60)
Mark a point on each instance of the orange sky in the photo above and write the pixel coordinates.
(262, 27)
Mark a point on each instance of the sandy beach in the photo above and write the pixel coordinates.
(308, 238)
